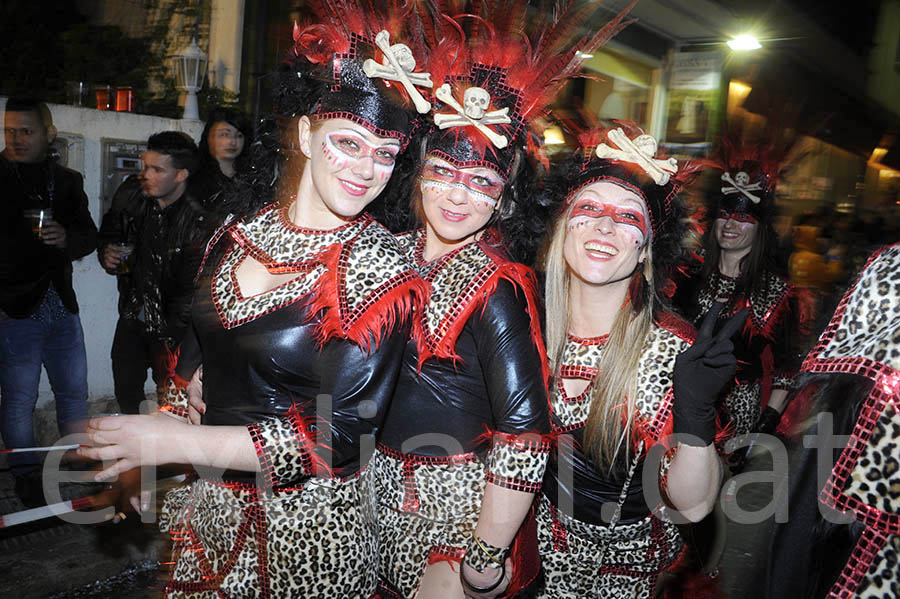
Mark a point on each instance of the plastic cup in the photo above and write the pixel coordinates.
(126, 254)
(37, 218)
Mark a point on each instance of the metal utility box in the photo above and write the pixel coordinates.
(120, 158)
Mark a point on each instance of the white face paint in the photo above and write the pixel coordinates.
(343, 147)
(349, 166)
(458, 202)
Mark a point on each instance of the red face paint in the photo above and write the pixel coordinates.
(357, 148)
(741, 217)
(486, 187)
(623, 215)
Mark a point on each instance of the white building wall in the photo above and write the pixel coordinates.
(96, 290)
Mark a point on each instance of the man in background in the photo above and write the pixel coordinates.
(152, 240)
(44, 225)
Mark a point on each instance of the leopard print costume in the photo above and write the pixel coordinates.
(772, 316)
(582, 559)
(303, 530)
(429, 505)
(863, 338)
(244, 542)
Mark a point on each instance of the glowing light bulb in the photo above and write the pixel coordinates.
(744, 42)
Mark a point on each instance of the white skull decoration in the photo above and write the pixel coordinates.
(404, 57)
(742, 179)
(646, 144)
(476, 101)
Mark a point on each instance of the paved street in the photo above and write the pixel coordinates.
(55, 559)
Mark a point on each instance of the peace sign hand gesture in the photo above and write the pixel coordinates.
(701, 372)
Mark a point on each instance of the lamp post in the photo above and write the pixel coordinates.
(190, 68)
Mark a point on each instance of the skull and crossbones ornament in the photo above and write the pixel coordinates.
(398, 65)
(640, 151)
(740, 183)
(473, 111)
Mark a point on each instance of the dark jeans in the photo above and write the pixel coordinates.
(133, 352)
(51, 337)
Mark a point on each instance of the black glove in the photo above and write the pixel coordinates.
(701, 372)
(768, 421)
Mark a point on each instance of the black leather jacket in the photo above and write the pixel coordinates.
(28, 266)
(168, 247)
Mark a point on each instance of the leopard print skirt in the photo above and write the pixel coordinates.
(426, 513)
(633, 556)
(318, 540)
(743, 404)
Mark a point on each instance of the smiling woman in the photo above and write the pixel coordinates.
(462, 453)
(301, 296)
(624, 373)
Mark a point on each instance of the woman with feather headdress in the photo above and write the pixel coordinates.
(302, 309)
(463, 450)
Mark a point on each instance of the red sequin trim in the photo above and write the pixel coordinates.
(266, 467)
(445, 553)
(471, 163)
(515, 484)
(558, 531)
(252, 516)
(179, 411)
(832, 494)
(585, 341)
(400, 136)
(870, 544)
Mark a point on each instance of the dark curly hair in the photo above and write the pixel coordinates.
(275, 163)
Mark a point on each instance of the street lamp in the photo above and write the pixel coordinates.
(190, 68)
(744, 42)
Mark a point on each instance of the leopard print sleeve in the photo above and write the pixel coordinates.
(172, 397)
(286, 448)
(518, 461)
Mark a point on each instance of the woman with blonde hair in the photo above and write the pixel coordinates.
(626, 374)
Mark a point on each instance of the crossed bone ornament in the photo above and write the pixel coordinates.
(398, 66)
(640, 151)
(473, 113)
(741, 184)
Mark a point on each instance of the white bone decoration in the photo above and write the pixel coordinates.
(741, 184)
(640, 151)
(398, 65)
(473, 111)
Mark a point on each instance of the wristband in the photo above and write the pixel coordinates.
(487, 589)
(480, 554)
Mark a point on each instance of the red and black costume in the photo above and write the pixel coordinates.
(598, 536)
(471, 405)
(309, 367)
(770, 347)
(843, 540)
(470, 408)
(580, 552)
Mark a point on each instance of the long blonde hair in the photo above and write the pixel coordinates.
(612, 395)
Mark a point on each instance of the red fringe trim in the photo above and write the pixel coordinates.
(526, 559)
(522, 278)
(391, 303)
(308, 442)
